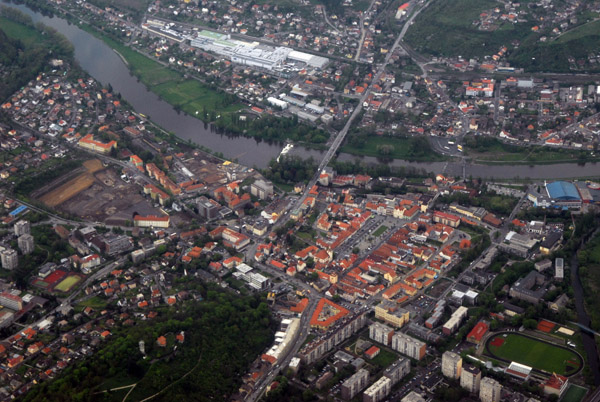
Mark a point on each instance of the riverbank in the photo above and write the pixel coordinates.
(491, 151)
(388, 148)
(184, 94)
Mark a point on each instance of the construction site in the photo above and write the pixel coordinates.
(97, 193)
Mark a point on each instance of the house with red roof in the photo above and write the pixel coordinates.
(326, 314)
(478, 332)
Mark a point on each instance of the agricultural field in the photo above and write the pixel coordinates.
(535, 353)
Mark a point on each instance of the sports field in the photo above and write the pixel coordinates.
(68, 283)
(574, 394)
(535, 353)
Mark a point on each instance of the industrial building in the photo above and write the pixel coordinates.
(254, 54)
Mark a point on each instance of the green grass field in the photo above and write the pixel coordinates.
(380, 230)
(67, 284)
(384, 358)
(95, 302)
(574, 393)
(591, 28)
(187, 94)
(537, 354)
(402, 148)
(19, 31)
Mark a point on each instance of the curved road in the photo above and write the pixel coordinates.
(588, 339)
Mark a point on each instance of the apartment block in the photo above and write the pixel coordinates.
(490, 390)
(451, 365)
(409, 346)
(381, 333)
(356, 383)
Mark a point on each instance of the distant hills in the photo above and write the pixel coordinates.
(561, 38)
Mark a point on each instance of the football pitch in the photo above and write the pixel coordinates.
(68, 283)
(535, 353)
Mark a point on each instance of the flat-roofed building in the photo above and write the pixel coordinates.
(26, 244)
(470, 377)
(413, 397)
(381, 333)
(397, 370)
(261, 189)
(22, 227)
(378, 391)
(10, 259)
(455, 320)
(451, 365)
(356, 383)
(490, 390)
(409, 346)
(389, 312)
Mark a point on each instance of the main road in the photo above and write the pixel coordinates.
(340, 136)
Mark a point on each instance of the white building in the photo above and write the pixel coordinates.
(409, 346)
(378, 391)
(470, 378)
(10, 259)
(451, 365)
(490, 390)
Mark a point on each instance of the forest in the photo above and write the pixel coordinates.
(224, 333)
(272, 128)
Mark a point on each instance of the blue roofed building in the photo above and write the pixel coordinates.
(563, 194)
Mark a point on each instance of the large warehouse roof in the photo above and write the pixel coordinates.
(562, 190)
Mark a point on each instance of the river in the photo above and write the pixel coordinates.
(102, 63)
